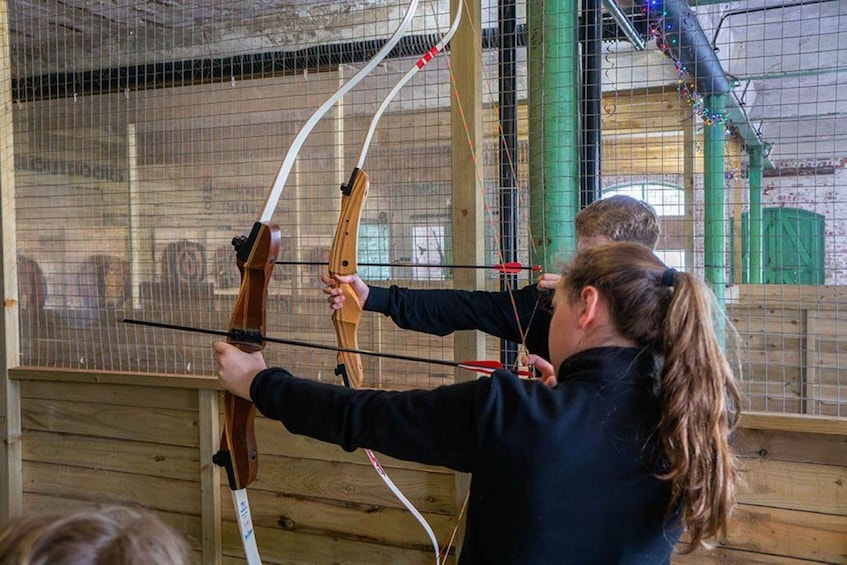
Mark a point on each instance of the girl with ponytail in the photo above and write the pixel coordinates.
(674, 316)
(622, 444)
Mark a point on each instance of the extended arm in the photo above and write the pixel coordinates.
(434, 427)
(442, 312)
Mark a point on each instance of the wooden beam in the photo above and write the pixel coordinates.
(211, 516)
(468, 204)
(468, 143)
(735, 202)
(136, 232)
(690, 160)
(115, 377)
(793, 423)
(11, 473)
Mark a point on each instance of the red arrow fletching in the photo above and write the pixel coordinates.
(488, 367)
(514, 267)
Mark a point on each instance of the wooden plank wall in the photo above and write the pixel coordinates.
(793, 508)
(94, 438)
(89, 441)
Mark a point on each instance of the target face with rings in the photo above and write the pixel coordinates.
(185, 262)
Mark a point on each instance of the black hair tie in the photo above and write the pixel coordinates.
(667, 277)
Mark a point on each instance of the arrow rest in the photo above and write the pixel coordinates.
(341, 371)
(244, 244)
(247, 337)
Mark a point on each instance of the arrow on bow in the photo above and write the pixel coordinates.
(479, 366)
(509, 268)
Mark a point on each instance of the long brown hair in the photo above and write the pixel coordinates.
(675, 315)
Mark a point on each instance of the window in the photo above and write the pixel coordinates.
(428, 243)
(373, 248)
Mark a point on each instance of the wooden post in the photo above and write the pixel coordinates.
(135, 229)
(211, 517)
(468, 202)
(11, 466)
(735, 149)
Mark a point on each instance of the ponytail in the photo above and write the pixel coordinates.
(700, 402)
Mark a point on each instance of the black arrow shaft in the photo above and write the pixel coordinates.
(424, 265)
(296, 343)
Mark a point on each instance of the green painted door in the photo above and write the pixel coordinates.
(793, 246)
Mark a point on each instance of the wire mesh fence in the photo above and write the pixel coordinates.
(147, 137)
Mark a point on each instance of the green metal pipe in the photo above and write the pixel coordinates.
(714, 147)
(553, 129)
(755, 218)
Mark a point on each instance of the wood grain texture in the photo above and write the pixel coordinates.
(371, 523)
(788, 533)
(286, 548)
(723, 556)
(276, 440)
(354, 483)
(795, 486)
(101, 486)
(153, 425)
(805, 447)
(113, 395)
(120, 455)
(794, 423)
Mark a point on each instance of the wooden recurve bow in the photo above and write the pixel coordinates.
(256, 255)
(343, 260)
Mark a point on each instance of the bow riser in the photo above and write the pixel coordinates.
(239, 453)
(256, 256)
(343, 261)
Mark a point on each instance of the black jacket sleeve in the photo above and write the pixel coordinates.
(441, 312)
(434, 427)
